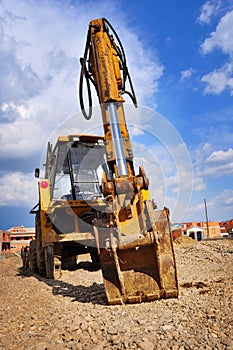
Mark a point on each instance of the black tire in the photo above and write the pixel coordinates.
(39, 249)
(49, 262)
(32, 257)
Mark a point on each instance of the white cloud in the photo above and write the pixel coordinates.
(224, 199)
(212, 169)
(186, 74)
(201, 152)
(17, 82)
(18, 189)
(220, 156)
(144, 70)
(208, 10)
(219, 170)
(212, 163)
(198, 183)
(222, 37)
(220, 78)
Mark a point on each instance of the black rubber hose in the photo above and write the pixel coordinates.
(121, 54)
(84, 72)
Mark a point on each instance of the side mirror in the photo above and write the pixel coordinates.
(37, 172)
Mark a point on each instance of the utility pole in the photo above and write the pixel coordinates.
(207, 221)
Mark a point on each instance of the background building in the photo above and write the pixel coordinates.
(227, 227)
(20, 237)
(5, 242)
(197, 230)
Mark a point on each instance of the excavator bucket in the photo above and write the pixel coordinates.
(141, 272)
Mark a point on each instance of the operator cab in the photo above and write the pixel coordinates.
(80, 162)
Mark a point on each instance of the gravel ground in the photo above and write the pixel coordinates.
(71, 312)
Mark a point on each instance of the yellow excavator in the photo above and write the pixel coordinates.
(90, 199)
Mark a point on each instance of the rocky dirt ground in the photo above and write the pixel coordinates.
(71, 312)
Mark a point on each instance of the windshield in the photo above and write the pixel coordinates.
(79, 171)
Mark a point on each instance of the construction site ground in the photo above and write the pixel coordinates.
(71, 312)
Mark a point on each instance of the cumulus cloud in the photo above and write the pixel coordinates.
(213, 163)
(17, 82)
(218, 170)
(220, 78)
(220, 156)
(208, 10)
(18, 190)
(210, 164)
(222, 37)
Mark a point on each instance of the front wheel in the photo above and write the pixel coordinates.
(49, 261)
(32, 257)
(39, 248)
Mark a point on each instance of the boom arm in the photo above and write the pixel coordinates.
(104, 64)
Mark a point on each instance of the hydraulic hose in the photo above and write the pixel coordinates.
(87, 73)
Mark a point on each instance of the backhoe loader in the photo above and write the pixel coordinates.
(90, 199)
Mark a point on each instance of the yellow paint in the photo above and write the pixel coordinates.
(44, 195)
(145, 195)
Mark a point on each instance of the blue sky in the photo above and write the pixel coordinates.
(180, 55)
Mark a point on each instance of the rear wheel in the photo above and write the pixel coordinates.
(39, 249)
(32, 257)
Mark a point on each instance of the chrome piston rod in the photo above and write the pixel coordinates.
(117, 140)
